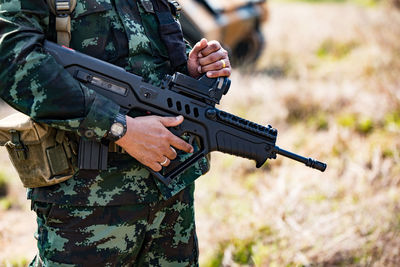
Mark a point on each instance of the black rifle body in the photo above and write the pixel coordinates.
(179, 95)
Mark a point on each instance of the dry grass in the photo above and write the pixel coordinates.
(329, 81)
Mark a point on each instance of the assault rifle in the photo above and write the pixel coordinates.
(179, 94)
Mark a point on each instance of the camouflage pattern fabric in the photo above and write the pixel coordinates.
(120, 32)
(160, 234)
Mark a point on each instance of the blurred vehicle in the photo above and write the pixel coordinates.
(235, 23)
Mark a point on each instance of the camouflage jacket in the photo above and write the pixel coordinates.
(118, 31)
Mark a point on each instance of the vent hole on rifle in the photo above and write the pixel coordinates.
(196, 112)
(169, 101)
(179, 106)
(187, 109)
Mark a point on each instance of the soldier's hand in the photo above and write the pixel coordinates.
(150, 142)
(210, 58)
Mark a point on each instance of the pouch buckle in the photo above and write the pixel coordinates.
(63, 6)
(16, 144)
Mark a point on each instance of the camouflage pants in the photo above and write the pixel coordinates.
(159, 234)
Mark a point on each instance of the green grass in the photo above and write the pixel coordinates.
(333, 50)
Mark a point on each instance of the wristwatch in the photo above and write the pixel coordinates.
(118, 128)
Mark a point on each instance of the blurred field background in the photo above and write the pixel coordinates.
(329, 81)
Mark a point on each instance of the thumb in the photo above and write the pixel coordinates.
(171, 121)
(197, 48)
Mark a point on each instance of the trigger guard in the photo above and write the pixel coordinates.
(177, 130)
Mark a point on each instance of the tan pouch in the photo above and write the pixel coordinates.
(42, 155)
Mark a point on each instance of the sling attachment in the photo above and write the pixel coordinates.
(148, 6)
(175, 8)
(170, 30)
(62, 9)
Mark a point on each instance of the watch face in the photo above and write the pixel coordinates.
(117, 129)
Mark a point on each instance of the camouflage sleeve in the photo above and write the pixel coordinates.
(188, 47)
(183, 68)
(32, 82)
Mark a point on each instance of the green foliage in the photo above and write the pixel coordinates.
(362, 125)
(386, 141)
(261, 252)
(251, 181)
(5, 203)
(265, 231)
(367, 3)
(392, 120)
(3, 185)
(387, 153)
(332, 50)
(249, 251)
(347, 120)
(16, 262)
(217, 258)
(319, 121)
(339, 147)
(365, 125)
(318, 198)
(355, 198)
(243, 251)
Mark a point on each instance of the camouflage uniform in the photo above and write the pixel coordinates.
(120, 216)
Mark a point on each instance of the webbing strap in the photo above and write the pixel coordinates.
(63, 28)
(62, 10)
(170, 32)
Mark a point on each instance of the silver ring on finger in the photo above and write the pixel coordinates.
(164, 162)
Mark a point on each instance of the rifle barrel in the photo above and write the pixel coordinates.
(309, 162)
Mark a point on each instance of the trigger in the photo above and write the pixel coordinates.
(191, 139)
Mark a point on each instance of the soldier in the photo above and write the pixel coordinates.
(115, 217)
